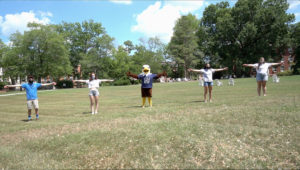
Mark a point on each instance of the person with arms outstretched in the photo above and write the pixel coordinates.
(147, 79)
(208, 79)
(31, 94)
(262, 71)
(93, 84)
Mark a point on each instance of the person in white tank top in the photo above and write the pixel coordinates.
(93, 85)
(208, 79)
(262, 72)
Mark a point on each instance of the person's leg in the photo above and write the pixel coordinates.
(205, 92)
(264, 87)
(29, 107)
(92, 104)
(258, 87)
(150, 101)
(96, 103)
(36, 108)
(143, 97)
(210, 90)
(29, 114)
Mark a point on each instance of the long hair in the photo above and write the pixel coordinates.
(91, 76)
(259, 63)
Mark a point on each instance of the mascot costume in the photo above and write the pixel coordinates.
(147, 79)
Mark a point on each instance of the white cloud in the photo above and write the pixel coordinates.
(294, 3)
(126, 2)
(159, 19)
(11, 23)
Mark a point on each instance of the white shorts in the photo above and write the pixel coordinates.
(34, 103)
(94, 93)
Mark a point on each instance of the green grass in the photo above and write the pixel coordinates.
(238, 130)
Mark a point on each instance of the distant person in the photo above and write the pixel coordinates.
(207, 78)
(31, 94)
(93, 85)
(262, 71)
(147, 79)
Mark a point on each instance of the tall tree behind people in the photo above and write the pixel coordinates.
(248, 30)
(183, 46)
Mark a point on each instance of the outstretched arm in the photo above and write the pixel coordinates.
(276, 64)
(221, 69)
(248, 65)
(132, 75)
(194, 70)
(81, 81)
(161, 74)
(106, 80)
(16, 85)
(48, 84)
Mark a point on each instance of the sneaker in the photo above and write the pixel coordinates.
(93, 113)
(96, 112)
(37, 117)
(29, 118)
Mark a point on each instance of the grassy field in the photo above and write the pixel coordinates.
(238, 130)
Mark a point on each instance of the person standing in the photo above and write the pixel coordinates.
(208, 80)
(147, 79)
(31, 95)
(93, 84)
(262, 71)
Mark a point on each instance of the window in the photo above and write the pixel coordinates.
(290, 58)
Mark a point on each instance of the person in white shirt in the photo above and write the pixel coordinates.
(262, 71)
(93, 84)
(208, 79)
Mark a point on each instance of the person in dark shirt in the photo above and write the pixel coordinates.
(147, 79)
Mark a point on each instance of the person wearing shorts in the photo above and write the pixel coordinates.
(31, 95)
(208, 79)
(262, 74)
(147, 80)
(93, 84)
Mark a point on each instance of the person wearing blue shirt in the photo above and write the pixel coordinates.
(31, 95)
(147, 79)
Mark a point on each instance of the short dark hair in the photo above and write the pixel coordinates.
(29, 76)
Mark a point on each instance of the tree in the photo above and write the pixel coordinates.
(40, 52)
(245, 32)
(98, 58)
(295, 36)
(80, 39)
(183, 46)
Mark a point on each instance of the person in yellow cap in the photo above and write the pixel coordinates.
(147, 79)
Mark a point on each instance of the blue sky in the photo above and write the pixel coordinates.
(123, 20)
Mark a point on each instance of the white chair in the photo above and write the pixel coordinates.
(178, 79)
(275, 78)
(231, 82)
(201, 82)
(219, 83)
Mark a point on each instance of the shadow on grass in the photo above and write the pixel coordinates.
(197, 101)
(86, 112)
(26, 120)
(134, 107)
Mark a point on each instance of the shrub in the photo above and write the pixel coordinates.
(2, 84)
(64, 84)
(122, 82)
(285, 73)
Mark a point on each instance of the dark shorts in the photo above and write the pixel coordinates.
(146, 92)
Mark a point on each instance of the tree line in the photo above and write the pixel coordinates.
(224, 36)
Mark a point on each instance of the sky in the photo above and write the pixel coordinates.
(122, 19)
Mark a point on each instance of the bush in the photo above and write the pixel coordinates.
(64, 84)
(2, 84)
(124, 81)
(285, 73)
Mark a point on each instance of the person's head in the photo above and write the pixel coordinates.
(146, 69)
(30, 78)
(92, 76)
(261, 60)
(207, 66)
